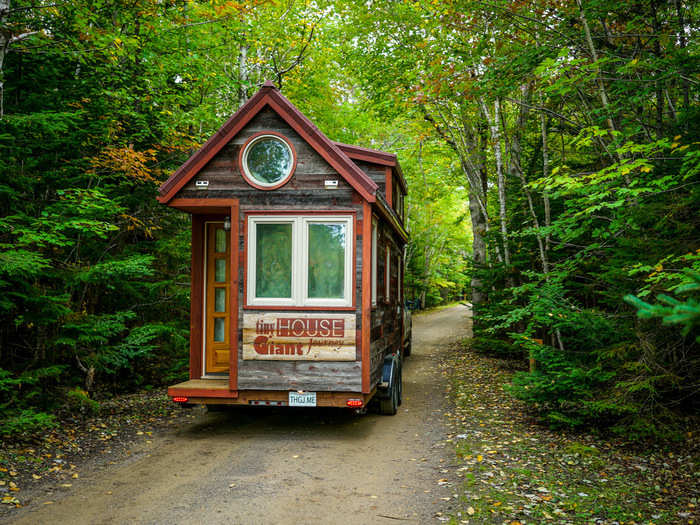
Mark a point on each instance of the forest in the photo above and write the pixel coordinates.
(551, 149)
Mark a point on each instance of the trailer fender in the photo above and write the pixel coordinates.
(389, 371)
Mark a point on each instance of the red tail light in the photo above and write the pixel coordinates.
(354, 403)
(180, 399)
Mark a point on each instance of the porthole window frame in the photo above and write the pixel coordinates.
(243, 167)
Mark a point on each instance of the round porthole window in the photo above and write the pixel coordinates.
(268, 161)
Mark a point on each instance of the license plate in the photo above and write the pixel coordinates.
(306, 399)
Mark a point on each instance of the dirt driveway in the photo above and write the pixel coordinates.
(285, 466)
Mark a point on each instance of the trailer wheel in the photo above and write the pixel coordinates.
(407, 348)
(400, 388)
(390, 405)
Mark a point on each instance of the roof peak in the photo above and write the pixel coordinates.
(269, 84)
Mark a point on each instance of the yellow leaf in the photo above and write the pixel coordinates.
(471, 511)
(646, 169)
(480, 458)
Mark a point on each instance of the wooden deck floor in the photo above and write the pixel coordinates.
(202, 384)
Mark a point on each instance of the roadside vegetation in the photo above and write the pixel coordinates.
(551, 150)
(510, 469)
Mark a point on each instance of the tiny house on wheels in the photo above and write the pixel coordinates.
(297, 265)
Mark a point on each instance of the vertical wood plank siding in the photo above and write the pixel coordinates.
(234, 298)
(366, 294)
(197, 297)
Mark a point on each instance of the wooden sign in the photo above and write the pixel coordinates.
(299, 337)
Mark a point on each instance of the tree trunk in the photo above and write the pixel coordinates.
(243, 75)
(682, 42)
(594, 55)
(660, 103)
(478, 249)
(545, 195)
(497, 140)
(5, 36)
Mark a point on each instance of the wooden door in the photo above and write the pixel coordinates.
(217, 313)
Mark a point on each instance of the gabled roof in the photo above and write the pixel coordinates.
(270, 96)
(375, 156)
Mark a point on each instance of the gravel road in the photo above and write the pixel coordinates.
(284, 466)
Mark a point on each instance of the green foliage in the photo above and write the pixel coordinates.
(24, 422)
(605, 208)
(78, 400)
(100, 103)
(673, 311)
(564, 388)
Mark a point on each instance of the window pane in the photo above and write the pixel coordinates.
(220, 270)
(273, 264)
(219, 328)
(326, 260)
(220, 299)
(220, 245)
(268, 160)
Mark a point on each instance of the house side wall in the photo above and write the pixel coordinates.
(376, 172)
(386, 316)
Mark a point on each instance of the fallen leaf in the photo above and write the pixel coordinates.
(470, 511)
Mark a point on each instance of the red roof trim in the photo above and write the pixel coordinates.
(269, 95)
(370, 155)
(375, 156)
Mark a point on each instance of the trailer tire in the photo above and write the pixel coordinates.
(407, 348)
(400, 387)
(390, 405)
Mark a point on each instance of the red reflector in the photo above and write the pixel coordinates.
(354, 403)
(180, 399)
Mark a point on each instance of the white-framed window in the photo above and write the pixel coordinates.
(300, 260)
(267, 160)
(374, 261)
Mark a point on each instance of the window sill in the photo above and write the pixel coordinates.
(299, 308)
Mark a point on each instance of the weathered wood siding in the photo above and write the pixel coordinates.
(376, 172)
(386, 317)
(306, 187)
